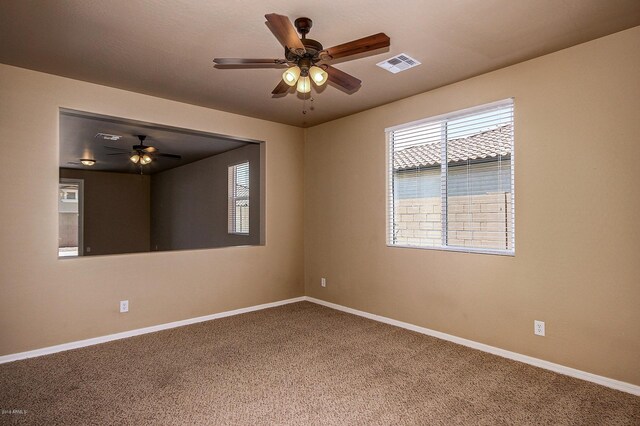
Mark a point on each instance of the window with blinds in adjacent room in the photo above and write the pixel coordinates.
(239, 198)
(451, 181)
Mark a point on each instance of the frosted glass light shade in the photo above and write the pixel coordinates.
(146, 159)
(290, 76)
(135, 158)
(304, 85)
(318, 75)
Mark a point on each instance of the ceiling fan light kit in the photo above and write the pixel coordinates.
(142, 154)
(307, 59)
(140, 158)
(318, 75)
(304, 85)
(295, 75)
(291, 75)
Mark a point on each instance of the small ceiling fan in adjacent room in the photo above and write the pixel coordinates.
(142, 154)
(306, 59)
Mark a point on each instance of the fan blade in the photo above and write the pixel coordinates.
(366, 44)
(283, 29)
(250, 62)
(281, 88)
(342, 79)
(116, 149)
(118, 153)
(175, 156)
(145, 148)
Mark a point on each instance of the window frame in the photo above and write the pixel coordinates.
(232, 198)
(390, 210)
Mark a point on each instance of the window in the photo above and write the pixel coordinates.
(239, 198)
(451, 181)
(70, 217)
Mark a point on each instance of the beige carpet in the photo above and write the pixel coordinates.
(297, 364)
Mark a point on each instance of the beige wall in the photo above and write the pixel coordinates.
(46, 301)
(576, 267)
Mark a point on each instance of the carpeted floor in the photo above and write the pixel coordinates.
(297, 364)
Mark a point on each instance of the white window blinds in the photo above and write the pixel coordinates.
(239, 198)
(451, 181)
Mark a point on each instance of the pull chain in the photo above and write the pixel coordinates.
(304, 104)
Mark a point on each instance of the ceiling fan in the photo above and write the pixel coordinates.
(306, 58)
(142, 154)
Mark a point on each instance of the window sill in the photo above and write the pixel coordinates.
(494, 252)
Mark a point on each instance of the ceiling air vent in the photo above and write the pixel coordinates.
(108, 137)
(398, 63)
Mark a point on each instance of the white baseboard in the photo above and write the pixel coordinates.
(139, 331)
(568, 371)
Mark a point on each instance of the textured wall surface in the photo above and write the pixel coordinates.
(49, 301)
(576, 267)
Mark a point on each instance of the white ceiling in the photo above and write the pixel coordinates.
(165, 47)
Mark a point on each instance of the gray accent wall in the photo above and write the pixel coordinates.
(189, 204)
(116, 211)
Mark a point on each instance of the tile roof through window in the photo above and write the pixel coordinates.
(486, 145)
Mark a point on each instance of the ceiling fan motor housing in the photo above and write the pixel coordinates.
(312, 47)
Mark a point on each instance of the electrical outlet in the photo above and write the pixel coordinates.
(124, 306)
(323, 282)
(538, 328)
